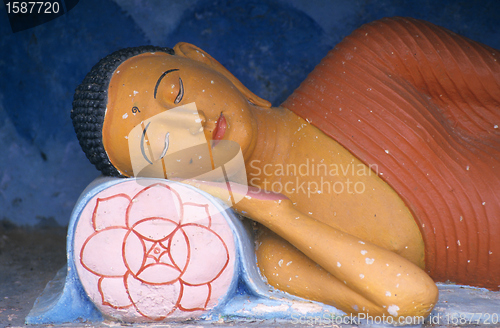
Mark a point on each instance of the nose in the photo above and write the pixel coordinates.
(192, 120)
(199, 123)
(202, 119)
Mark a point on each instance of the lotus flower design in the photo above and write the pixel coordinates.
(154, 253)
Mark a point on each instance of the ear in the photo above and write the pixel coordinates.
(190, 51)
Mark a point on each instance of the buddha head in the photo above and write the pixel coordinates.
(152, 94)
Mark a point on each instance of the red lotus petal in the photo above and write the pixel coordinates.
(179, 249)
(195, 297)
(155, 201)
(134, 252)
(155, 229)
(110, 212)
(208, 255)
(113, 292)
(196, 213)
(155, 302)
(101, 253)
(159, 274)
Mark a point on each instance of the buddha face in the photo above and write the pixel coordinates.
(150, 84)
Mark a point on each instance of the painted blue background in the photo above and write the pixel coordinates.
(269, 45)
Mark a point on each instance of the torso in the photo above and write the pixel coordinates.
(424, 111)
(326, 182)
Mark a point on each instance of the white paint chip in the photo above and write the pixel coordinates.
(369, 260)
(393, 310)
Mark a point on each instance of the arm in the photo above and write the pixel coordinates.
(390, 283)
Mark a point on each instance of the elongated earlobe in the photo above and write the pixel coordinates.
(190, 51)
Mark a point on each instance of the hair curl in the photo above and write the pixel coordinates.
(90, 101)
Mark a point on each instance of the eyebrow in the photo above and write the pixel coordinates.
(161, 77)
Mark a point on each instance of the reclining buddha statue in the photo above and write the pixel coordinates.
(376, 178)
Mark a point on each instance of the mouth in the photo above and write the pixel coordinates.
(220, 128)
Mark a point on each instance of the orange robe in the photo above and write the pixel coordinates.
(423, 104)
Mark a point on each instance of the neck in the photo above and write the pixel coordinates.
(275, 129)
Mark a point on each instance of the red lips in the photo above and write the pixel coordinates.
(220, 128)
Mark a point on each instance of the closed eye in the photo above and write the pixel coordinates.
(181, 92)
(161, 78)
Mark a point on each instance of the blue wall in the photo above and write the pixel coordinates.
(269, 45)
